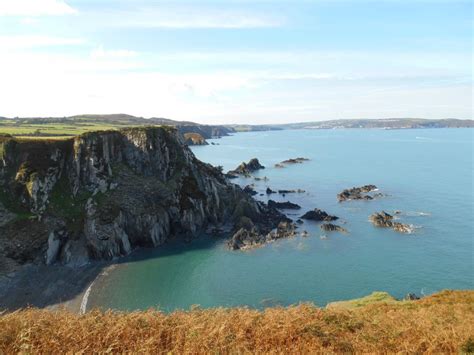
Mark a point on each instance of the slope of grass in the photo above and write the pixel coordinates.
(375, 297)
(440, 323)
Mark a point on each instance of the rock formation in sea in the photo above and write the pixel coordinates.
(300, 191)
(269, 191)
(247, 168)
(385, 220)
(294, 161)
(283, 205)
(318, 215)
(329, 227)
(357, 193)
(251, 236)
(102, 194)
(290, 161)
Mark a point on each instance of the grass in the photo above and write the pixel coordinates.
(440, 323)
(375, 297)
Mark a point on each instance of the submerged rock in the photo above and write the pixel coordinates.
(358, 193)
(283, 205)
(385, 220)
(318, 215)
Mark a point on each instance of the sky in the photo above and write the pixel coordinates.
(237, 61)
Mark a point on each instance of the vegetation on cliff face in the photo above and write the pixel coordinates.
(442, 323)
(102, 194)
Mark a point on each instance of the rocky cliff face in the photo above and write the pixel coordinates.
(101, 194)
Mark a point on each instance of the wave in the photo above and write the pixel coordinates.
(85, 299)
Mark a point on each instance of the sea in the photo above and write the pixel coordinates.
(425, 174)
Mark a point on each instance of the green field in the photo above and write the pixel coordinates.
(60, 129)
(51, 129)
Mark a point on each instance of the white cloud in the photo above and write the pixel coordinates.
(32, 41)
(35, 8)
(188, 18)
(100, 53)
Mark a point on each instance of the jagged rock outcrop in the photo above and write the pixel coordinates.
(358, 193)
(283, 205)
(102, 194)
(318, 215)
(385, 220)
(247, 168)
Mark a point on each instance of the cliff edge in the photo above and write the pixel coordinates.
(102, 194)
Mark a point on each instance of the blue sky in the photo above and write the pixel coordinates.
(237, 61)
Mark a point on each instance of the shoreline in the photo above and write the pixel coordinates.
(49, 287)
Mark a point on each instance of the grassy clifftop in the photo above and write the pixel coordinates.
(443, 322)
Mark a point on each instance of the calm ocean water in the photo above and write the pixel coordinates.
(427, 174)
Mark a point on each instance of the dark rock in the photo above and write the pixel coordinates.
(318, 215)
(358, 193)
(247, 168)
(329, 227)
(283, 205)
(270, 191)
(299, 221)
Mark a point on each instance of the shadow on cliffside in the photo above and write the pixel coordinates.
(56, 285)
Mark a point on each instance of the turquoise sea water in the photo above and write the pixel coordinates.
(427, 174)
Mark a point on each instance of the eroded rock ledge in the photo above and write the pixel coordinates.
(102, 194)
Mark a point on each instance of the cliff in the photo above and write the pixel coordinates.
(101, 194)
